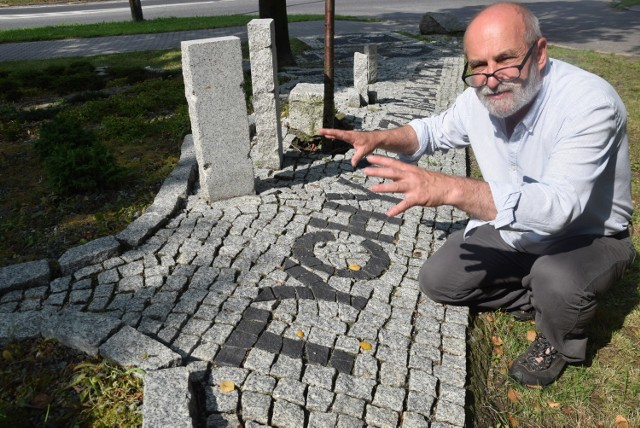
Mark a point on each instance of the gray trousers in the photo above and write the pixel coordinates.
(563, 286)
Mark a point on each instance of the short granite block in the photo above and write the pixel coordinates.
(346, 405)
(287, 415)
(81, 331)
(219, 401)
(259, 383)
(259, 360)
(287, 367)
(322, 420)
(128, 347)
(255, 407)
(319, 399)
(355, 387)
(230, 356)
(290, 390)
(381, 417)
(167, 398)
(319, 376)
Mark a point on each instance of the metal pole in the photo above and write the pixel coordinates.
(328, 111)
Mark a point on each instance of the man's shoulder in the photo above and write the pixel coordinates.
(570, 83)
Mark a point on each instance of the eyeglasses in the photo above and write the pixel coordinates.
(505, 74)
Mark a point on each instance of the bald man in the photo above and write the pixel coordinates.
(548, 228)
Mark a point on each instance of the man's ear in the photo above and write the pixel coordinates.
(541, 53)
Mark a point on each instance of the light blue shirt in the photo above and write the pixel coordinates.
(564, 171)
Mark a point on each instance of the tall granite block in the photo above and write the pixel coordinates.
(266, 103)
(213, 79)
(361, 76)
(371, 51)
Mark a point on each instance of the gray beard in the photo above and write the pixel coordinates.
(522, 94)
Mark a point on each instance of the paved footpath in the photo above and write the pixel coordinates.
(296, 306)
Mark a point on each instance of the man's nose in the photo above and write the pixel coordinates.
(492, 82)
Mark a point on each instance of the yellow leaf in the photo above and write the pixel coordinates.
(531, 335)
(365, 346)
(300, 333)
(7, 355)
(226, 386)
(355, 266)
(553, 404)
(621, 422)
(513, 395)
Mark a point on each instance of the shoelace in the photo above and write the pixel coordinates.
(541, 354)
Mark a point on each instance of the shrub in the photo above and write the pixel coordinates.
(74, 159)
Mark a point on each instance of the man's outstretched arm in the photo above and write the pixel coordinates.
(402, 140)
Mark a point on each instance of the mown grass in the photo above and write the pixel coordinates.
(158, 25)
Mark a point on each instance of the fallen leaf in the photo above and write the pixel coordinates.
(553, 404)
(365, 346)
(395, 242)
(355, 266)
(496, 341)
(621, 422)
(531, 335)
(417, 254)
(513, 421)
(497, 350)
(513, 395)
(226, 386)
(489, 318)
(300, 333)
(7, 355)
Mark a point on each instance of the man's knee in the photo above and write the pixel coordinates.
(437, 283)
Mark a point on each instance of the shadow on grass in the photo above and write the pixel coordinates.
(612, 311)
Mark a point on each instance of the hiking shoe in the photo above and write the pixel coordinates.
(522, 315)
(539, 366)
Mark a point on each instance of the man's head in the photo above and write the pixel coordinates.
(501, 36)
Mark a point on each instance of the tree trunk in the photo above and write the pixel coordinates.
(136, 10)
(277, 10)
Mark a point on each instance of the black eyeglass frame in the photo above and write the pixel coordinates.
(487, 75)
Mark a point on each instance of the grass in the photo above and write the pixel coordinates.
(158, 25)
(45, 384)
(145, 138)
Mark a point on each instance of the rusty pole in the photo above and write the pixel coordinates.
(328, 110)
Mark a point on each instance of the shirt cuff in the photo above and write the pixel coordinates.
(421, 132)
(505, 198)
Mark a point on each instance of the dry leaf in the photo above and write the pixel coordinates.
(355, 266)
(531, 335)
(7, 355)
(226, 386)
(365, 346)
(417, 254)
(300, 333)
(496, 341)
(513, 395)
(497, 350)
(395, 242)
(621, 422)
(489, 318)
(553, 404)
(513, 421)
